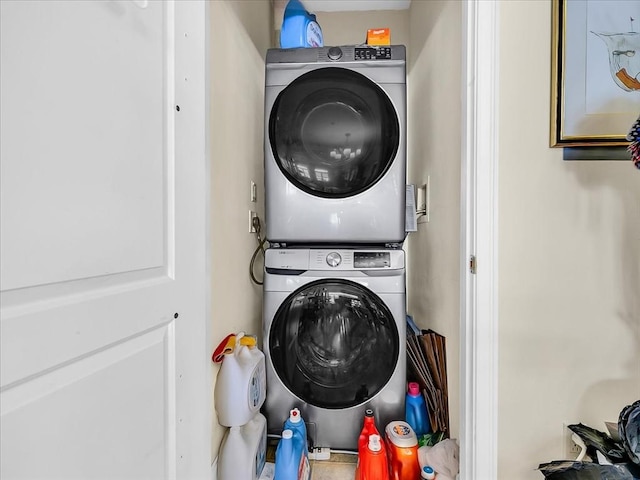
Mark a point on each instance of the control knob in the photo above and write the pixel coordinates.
(334, 259)
(334, 53)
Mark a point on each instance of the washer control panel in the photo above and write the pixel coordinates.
(334, 259)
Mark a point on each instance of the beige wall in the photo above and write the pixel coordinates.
(433, 268)
(569, 265)
(240, 36)
(350, 28)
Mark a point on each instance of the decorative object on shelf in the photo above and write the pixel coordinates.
(595, 71)
(634, 146)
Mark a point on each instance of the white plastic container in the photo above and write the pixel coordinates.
(243, 451)
(241, 385)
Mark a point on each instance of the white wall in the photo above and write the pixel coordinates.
(569, 273)
(433, 279)
(240, 36)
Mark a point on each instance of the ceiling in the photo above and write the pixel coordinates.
(354, 5)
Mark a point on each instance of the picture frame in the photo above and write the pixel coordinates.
(595, 94)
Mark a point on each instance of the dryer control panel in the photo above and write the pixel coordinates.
(372, 53)
(336, 54)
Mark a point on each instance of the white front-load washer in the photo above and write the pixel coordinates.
(335, 145)
(334, 323)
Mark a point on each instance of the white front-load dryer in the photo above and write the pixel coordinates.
(335, 145)
(334, 340)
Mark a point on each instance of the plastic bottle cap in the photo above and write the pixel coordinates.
(374, 443)
(368, 412)
(286, 434)
(401, 434)
(428, 473)
(414, 389)
(294, 415)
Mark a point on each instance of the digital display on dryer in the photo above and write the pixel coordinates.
(371, 259)
(372, 53)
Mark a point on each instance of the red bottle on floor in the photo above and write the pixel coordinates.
(372, 460)
(368, 428)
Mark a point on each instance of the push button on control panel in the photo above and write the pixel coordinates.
(334, 259)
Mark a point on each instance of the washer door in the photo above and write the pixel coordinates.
(334, 343)
(333, 132)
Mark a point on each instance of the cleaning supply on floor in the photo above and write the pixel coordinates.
(241, 383)
(372, 460)
(296, 424)
(243, 450)
(368, 428)
(402, 445)
(416, 413)
(299, 27)
(291, 461)
(443, 458)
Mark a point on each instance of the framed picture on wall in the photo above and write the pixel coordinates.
(595, 94)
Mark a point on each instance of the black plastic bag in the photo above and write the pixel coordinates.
(629, 430)
(567, 470)
(596, 440)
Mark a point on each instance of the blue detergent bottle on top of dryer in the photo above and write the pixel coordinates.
(416, 413)
(299, 27)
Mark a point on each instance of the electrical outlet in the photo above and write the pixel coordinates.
(569, 450)
(320, 453)
(252, 215)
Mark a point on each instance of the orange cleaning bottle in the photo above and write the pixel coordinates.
(372, 460)
(402, 444)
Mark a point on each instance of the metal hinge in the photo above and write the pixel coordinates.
(472, 264)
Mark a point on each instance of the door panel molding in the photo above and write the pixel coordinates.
(105, 330)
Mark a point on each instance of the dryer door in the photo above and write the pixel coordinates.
(334, 344)
(333, 132)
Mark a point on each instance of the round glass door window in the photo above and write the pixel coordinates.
(334, 343)
(334, 133)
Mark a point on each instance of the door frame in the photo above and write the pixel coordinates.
(479, 240)
(194, 371)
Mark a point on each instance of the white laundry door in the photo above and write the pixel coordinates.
(102, 234)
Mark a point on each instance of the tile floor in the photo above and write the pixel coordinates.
(339, 467)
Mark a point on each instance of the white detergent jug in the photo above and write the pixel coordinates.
(243, 451)
(241, 384)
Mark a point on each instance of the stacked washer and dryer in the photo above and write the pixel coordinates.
(334, 315)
